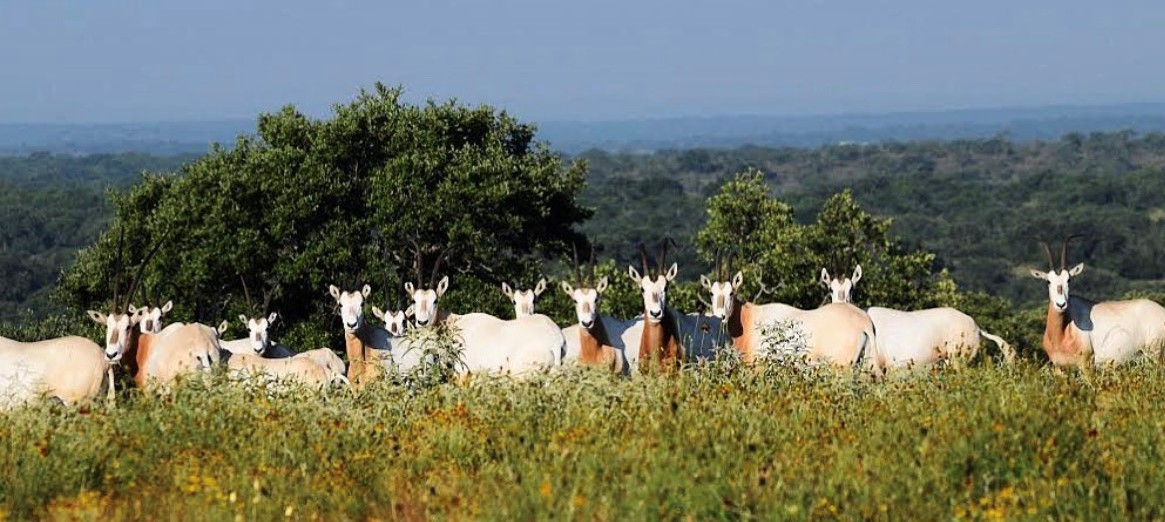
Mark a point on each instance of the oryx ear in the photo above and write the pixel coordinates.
(825, 277)
(1075, 271)
(857, 274)
(132, 309)
(1040, 275)
(602, 286)
(271, 318)
(410, 289)
(442, 286)
(96, 316)
(243, 319)
(567, 288)
(540, 287)
(704, 282)
(334, 291)
(634, 274)
(738, 279)
(671, 272)
(507, 290)
(411, 310)
(222, 327)
(168, 306)
(378, 313)
(366, 290)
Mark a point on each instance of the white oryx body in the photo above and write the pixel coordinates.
(301, 369)
(622, 336)
(923, 337)
(515, 346)
(919, 337)
(1082, 332)
(181, 348)
(71, 369)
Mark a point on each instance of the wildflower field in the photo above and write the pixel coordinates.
(709, 443)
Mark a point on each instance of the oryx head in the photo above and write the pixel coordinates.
(654, 288)
(150, 317)
(117, 331)
(841, 290)
(723, 294)
(585, 295)
(524, 299)
(425, 298)
(1058, 279)
(257, 331)
(351, 306)
(394, 321)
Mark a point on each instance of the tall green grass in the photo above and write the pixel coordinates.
(713, 443)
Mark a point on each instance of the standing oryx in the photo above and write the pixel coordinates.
(258, 340)
(524, 299)
(365, 344)
(70, 369)
(1083, 332)
(839, 334)
(920, 337)
(596, 340)
(660, 340)
(489, 344)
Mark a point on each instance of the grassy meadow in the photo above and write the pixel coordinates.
(717, 442)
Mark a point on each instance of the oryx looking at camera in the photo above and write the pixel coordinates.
(919, 337)
(489, 344)
(366, 346)
(1082, 332)
(524, 299)
(838, 334)
(258, 339)
(596, 339)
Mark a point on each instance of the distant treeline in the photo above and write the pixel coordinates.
(976, 203)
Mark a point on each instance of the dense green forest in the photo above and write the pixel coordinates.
(975, 203)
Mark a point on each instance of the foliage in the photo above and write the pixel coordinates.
(979, 443)
(306, 203)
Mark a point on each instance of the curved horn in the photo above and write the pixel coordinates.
(577, 273)
(1048, 252)
(142, 267)
(417, 262)
(247, 293)
(594, 279)
(116, 282)
(663, 252)
(1064, 250)
(643, 255)
(437, 268)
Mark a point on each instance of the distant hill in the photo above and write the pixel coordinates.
(1018, 123)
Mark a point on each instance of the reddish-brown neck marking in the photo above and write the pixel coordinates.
(137, 352)
(359, 355)
(740, 329)
(659, 340)
(595, 347)
(1063, 342)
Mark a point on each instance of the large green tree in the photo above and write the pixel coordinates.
(764, 240)
(346, 200)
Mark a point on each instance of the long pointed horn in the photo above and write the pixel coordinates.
(643, 255)
(1064, 250)
(142, 267)
(267, 295)
(577, 274)
(437, 268)
(594, 279)
(1048, 252)
(246, 293)
(116, 282)
(663, 252)
(417, 262)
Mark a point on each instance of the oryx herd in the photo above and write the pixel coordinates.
(75, 369)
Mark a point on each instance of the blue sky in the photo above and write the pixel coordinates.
(162, 60)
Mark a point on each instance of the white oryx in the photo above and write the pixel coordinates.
(150, 317)
(595, 340)
(919, 337)
(489, 344)
(524, 299)
(70, 369)
(402, 353)
(258, 341)
(838, 334)
(367, 346)
(303, 368)
(1082, 332)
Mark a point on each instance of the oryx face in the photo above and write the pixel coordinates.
(1058, 285)
(654, 291)
(150, 318)
(351, 306)
(394, 322)
(524, 299)
(257, 331)
(586, 302)
(425, 301)
(841, 290)
(723, 294)
(117, 329)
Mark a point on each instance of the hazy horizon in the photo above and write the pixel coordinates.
(601, 61)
